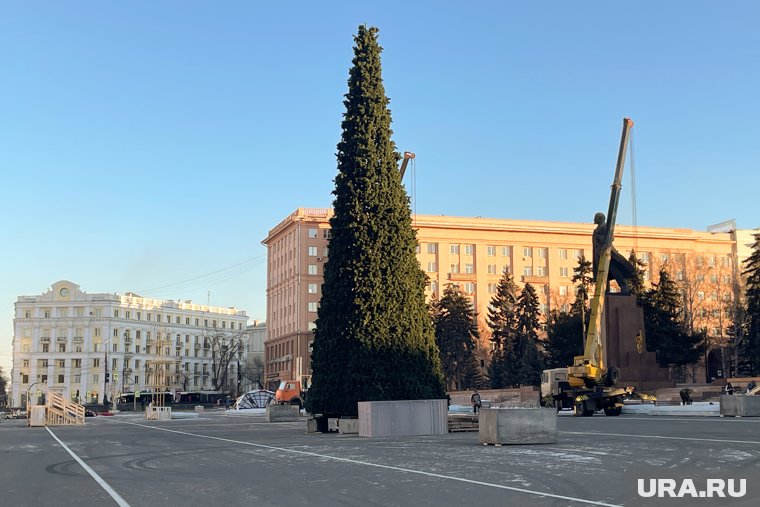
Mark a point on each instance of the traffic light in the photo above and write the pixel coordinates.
(108, 377)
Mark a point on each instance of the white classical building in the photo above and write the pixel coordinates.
(68, 340)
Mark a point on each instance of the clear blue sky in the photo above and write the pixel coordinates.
(143, 144)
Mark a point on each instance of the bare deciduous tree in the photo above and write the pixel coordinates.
(225, 348)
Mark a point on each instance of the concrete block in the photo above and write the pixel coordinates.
(158, 413)
(311, 425)
(283, 413)
(403, 418)
(348, 426)
(38, 416)
(199, 409)
(518, 426)
(740, 406)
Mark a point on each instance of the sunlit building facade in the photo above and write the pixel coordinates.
(66, 340)
(473, 253)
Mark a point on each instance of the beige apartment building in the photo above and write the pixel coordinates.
(473, 253)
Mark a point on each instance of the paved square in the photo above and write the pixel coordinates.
(224, 460)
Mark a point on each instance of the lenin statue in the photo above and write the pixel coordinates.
(620, 269)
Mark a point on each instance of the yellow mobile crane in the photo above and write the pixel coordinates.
(589, 384)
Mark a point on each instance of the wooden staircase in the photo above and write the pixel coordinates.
(61, 411)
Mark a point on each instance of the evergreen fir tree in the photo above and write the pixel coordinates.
(751, 342)
(564, 338)
(374, 338)
(530, 362)
(664, 329)
(456, 334)
(583, 279)
(636, 281)
(502, 321)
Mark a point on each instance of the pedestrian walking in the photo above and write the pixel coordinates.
(476, 402)
(729, 389)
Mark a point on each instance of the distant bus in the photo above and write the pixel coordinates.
(203, 397)
(146, 397)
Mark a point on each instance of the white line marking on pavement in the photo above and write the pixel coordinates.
(631, 435)
(388, 467)
(119, 500)
(711, 419)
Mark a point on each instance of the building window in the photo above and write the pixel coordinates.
(469, 269)
(577, 254)
(96, 363)
(527, 251)
(468, 249)
(60, 379)
(312, 306)
(312, 233)
(46, 313)
(563, 290)
(469, 288)
(454, 268)
(326, 233)
(312, 326)
(79, 311)
(563, 271)
(491, 250)
(454, 249)
(127, 314)
(312, 288)
(492, 269)
(77, 363)
(24, 379)
(492, 288)
(433, 286)
(312, 251)
(432, 248)
(528, 271)
(139, 315)
(61, 347)
(562, 253)
(542, 253)
(431, 267)
(312, 269)
(116, 314)
(45, 347)
(541, 270)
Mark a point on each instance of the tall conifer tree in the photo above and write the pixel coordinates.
(457, 335)
(751, 342)
(529, 355)
(374, 337)
(502, 321)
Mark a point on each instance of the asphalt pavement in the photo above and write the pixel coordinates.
(221, 460)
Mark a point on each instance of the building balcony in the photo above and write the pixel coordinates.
(535, 279)
(61, 339)
(45, 339)
(78, 339)
(462, 277)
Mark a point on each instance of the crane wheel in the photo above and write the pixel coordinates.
(613, 411)
(613, 376)
(580, 409)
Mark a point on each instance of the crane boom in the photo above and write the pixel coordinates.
(591, 365)
(408, 155)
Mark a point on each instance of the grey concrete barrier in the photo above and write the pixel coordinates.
(518, 426)
(402, 418)
(739, 406)
(283, 413)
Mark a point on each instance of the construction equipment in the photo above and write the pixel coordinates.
(289, 393)
(408, 155)
(589, 384)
